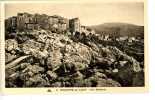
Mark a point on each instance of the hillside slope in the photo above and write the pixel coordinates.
(122, 29)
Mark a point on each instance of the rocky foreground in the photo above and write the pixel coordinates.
(45, 59)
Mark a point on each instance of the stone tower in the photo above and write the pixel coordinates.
(74, 25)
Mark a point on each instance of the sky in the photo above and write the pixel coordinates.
(88, 13)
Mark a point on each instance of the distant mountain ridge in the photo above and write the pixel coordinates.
(121, 29)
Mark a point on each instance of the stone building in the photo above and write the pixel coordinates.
(32, 26)
(67, 23)
(29, 18)
(7, 24)
(43, 21)
(30, 22)
(55, 23)
(21, 21)
(74, 25)
(24, 20)
(14, 22)
(10, 26)
(53, 19)
(62, 26)
(58, 22)
(87, 31)
(11, 23)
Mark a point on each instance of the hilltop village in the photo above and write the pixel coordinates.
(27, 22)
(53, 51)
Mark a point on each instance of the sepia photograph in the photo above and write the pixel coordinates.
(74, 45)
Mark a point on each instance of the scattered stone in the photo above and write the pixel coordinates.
(80, 66)
(107, 83)
(138, 79)
(30, 45)
(54, 60)
(36, 81)
(100, 75)
(78, 75)
(135, 64)
(34, 69)
(11, 45)
(115, 71)
(52, 75)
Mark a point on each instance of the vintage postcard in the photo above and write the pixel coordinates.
(53, 47)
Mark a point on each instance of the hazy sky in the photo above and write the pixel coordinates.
(89, 13)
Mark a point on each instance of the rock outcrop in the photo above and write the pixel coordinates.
(55, 60)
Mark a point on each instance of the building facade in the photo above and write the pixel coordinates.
(26, 21)
(74, 25)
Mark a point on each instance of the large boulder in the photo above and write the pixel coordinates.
(78, 55)
(135, 65)
(128, 69)
(52, 75)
